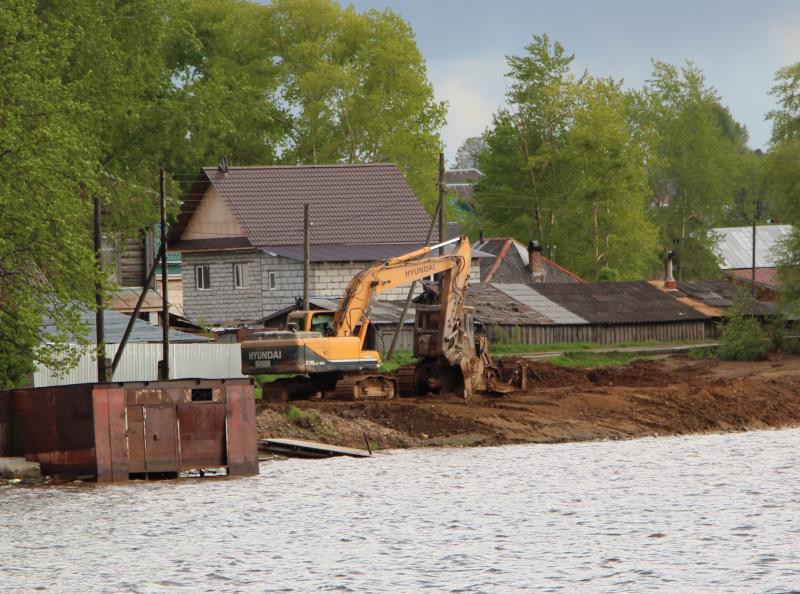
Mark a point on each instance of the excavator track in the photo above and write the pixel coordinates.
(406, 381)
(364, 387)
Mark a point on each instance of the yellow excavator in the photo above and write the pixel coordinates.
(327, 349)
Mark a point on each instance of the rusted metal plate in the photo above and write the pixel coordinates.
(52, 419)
(242, 446)
(160, 439)
(67, 463)
(102, 433)
(5, 423)
(135, 422)
(117, 434)
(110, 434)
(202, 435)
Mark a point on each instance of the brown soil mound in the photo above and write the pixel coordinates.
(668, 397)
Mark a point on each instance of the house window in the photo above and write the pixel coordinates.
(202, 277)
(272, 281)
(239, 280)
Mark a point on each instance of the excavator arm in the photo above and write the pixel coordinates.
(352, 315)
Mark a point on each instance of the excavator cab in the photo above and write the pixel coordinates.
(316, 320)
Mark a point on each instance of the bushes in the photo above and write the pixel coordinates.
(742, 337)
(303, 418)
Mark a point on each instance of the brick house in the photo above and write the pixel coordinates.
(240, 234)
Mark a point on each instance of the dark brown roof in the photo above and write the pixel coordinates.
(511, 265)
(722, 293)
(349, 204)
(618, 302)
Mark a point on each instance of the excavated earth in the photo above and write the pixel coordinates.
(673, 396)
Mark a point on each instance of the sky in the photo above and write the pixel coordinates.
(739, 44)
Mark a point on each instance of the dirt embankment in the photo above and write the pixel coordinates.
(674, 396)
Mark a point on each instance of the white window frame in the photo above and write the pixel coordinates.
(239, 276)
(272, 279)
(202, 277)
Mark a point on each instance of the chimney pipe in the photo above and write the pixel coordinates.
(669, 280)
(480, 236)
(535, 259)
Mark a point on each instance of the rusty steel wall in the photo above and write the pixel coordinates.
(55, 427)
(109, 431)
(5, 423)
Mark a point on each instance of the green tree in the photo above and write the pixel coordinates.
(693, 162)
(47, 169)
(784, 177)
(563, 165)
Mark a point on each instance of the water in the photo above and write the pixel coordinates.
(698, 514)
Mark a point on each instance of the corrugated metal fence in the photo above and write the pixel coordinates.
(140, 363)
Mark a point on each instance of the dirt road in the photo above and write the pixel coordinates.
(673, 396)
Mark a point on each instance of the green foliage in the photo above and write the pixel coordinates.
(702, 353)
(694, 152)
(784, 179)
(608, 274)
(562, 165)
(305, 82)
(742, 336)
(96, 96)
(307, 419)
(399, 359)
(589, 360)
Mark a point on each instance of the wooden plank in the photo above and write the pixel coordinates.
(308, 449)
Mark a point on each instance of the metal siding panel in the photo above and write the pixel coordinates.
(140, 363)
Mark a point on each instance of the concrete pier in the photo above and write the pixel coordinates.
(19, 468)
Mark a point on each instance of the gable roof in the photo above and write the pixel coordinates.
(736, 245)
(511, 264)
(349, 204)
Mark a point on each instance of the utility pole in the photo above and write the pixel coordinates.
(163, 367)
(306, 257)
(409, 297)
(442, 229)
(100, 334)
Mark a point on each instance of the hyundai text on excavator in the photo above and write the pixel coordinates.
(327, 349)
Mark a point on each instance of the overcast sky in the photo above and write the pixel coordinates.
(738, 44)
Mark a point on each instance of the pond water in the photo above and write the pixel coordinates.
(716, 513)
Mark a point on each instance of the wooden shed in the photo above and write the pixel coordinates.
(121, 431)
(604, 313)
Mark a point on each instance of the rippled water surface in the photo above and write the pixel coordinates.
(699, 514)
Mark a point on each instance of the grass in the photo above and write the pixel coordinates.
(399, 359)
(520, 348)
(585, 360)
(702, 353)
(303, 418)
